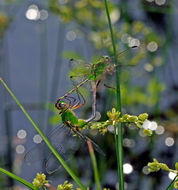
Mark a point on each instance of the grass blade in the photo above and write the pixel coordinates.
(24, 182)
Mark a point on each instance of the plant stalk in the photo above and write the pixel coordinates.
(119, 137)
(94, 163)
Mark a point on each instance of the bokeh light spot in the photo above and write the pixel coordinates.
(128, 142)
(169, 141)
(37, 139)
(171, 175)
(128, 169)
(71, 35)
(160, 2)
(160, 130)
(43, 14)
(21, 134)
(148, 67)
(152, 46)
(32, 12)
(151, 125)
(115, 15)
(145, 170)
(133, 42)
(20, 149)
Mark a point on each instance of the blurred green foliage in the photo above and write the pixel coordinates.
(3, 23)
(89, 15)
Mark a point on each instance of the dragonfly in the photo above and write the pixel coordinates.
(71, 126)
(91, 72)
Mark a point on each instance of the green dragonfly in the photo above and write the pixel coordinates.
(94, 72)
(71, 126)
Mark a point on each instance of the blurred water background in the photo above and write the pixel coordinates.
(37, 39)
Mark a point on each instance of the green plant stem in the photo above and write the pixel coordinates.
(118, 95)
(76, 179)
(94, 163)
(171, 185)
(24, 182)
(116, 144)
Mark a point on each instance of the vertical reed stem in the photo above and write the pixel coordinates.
(118, 139)
(94, 163)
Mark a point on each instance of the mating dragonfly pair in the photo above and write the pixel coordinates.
(66, 104)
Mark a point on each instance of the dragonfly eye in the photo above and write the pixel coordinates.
(59, 105)
(107, 59)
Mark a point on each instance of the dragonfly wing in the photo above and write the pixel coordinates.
(86, 139)
(79, 69)
(61, 139)
(65, 148)
(33, 155)
(52, 164)
(37, 152)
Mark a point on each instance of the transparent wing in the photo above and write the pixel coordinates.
(85, 139)
(130, 57)
(79, 69)
(60, 138)
(36, 152)
(52, 164)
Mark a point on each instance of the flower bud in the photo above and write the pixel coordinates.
(143, 116)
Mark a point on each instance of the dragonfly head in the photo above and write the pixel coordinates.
(106, 59)
(61, 105)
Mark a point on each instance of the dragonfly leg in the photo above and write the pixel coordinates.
(80, 102)
(71, 100)
(107, 86)
(104, 84)
(81, 99)
(93, 103)
(57, 104)
(97, 83)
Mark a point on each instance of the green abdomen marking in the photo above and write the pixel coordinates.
(70, 117)
(97, 71)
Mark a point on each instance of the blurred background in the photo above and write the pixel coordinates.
(37, 40)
